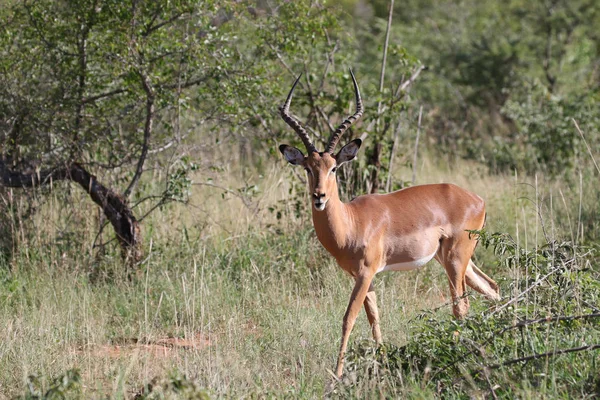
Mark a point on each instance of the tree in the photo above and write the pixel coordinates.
(100, 85)
(107, 86)
(493, 64)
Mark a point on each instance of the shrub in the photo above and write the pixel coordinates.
(540, 337)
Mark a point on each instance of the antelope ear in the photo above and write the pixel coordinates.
(348, 152)
(292, 154)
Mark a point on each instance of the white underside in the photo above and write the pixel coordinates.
(407, 266)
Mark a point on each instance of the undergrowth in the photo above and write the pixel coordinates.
(542, 338)
(264, 304)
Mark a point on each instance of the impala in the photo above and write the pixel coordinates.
(398, 231)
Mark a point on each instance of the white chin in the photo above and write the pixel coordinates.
(320, 206)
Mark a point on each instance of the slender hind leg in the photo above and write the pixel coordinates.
(456, 279)
(373, 313)
(481, 282)
(455, 254)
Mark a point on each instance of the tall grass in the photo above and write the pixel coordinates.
(256, 304)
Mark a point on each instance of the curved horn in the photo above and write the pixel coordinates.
(335, 137)
(284, 110)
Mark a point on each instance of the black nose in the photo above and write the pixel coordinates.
(318, 196)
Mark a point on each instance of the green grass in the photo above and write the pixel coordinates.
(260, 304)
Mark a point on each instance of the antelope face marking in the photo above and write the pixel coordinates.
(321, 169)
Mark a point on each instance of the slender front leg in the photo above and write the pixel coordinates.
(359, 293)
(373, 313)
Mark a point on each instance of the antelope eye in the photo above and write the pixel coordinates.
(333, 170)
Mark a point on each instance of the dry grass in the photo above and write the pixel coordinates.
(230, 296)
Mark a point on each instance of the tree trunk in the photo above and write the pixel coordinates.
(113, 205)
(375, 162)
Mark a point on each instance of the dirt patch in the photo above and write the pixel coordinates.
(158, 348)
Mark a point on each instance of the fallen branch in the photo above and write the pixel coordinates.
(113, 205)
(542, 355)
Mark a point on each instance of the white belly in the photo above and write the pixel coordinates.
(409, 265)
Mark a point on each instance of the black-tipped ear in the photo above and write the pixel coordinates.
(292, 154)
(348, 152)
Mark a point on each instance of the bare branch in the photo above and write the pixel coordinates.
(548, 320)
(167, 145)
(156, 27)
(548, 56)
(404, 85)
(282, 61)
(328, 64)
(414, 172)
(244, 199)
(82, 59)
(533, 285)
(384, 57)
(92, 99)
(324, 116)
(395, 134)
(187, 84)
(150, 96)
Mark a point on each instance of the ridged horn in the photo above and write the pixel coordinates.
(284, 110)
(335, 136)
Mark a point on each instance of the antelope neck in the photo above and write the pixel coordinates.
(333, 224)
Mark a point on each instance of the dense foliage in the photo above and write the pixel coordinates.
(507, 77)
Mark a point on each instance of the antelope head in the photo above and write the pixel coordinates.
(321, 166)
